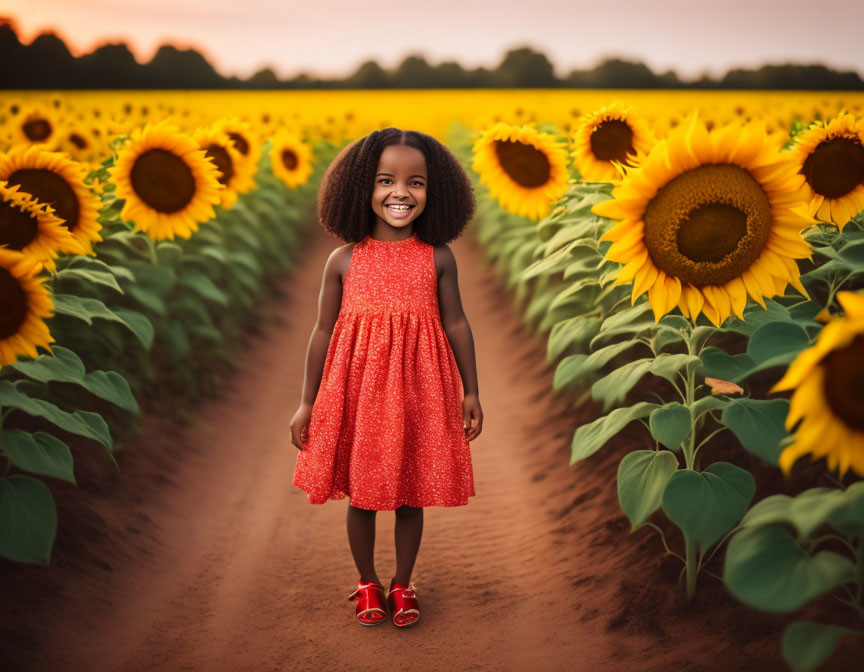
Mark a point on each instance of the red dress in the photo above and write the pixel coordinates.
(386, 424)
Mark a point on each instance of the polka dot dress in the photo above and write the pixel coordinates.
(386, 424)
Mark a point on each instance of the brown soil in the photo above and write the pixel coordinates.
(199, 554)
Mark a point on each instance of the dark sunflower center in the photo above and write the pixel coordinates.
(49, 187)
(13, 304)
(711, 231)
(527, 166)
(835, 167)
(289, 159)
(223, 162)
(17, 227)
(613, 139)
(163, 180)
(844, 383)
(240, 143)
(708, 224)
(36, 129)
(78, 141)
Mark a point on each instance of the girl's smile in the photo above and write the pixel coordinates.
(399, 211)
(399, 195)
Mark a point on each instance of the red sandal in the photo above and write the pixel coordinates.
(370, 608)
(402, 602)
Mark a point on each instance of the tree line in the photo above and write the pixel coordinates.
(47, 63)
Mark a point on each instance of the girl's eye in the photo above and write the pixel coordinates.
(387, 179)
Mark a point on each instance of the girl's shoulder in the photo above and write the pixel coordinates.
(342, 257)
(444, 258)
(339, 260)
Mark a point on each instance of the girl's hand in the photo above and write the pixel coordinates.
(300, 426)
(472, 417)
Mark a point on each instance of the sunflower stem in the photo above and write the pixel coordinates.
(690, 562)
(669, 551)
(692, 569)
(832, 289)
(716, 546)
(678, 390)
(690, 392)
(708, 438)
(719, 578)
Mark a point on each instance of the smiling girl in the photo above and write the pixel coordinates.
(390, 398)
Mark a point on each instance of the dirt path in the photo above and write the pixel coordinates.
(209, 559)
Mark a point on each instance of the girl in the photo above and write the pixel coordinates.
(380, 418)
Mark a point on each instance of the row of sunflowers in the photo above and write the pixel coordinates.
(81, 123)
(722, 258)
(137, 269)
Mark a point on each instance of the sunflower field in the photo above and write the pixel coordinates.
(714, 240)
(134, 254)
(722, 252)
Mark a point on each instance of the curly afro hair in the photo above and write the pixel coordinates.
(345, 194)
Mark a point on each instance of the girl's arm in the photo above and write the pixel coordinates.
(329, 304)
(454, 321)
(461, 340)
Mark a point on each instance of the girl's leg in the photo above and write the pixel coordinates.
(361, 537)
(409, 530)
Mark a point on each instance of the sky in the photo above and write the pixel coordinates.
(330, 38)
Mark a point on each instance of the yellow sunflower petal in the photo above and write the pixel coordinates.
(835, 334)
(852, 304)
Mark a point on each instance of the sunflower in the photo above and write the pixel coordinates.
(829, 395)
(269, 124)
(24, 305)
(11, 107)
(34, 125)
(53, 178)
(831, 158)
(611, 134)
(232, 169)
(102, 139)
(167, 180)
(57, 102)
(243, 166)
(708, 218)
(79, 143)
(30, 227)
(245, 142)
(525, 169)
(291, 159)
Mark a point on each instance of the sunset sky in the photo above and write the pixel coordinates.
(331, 37)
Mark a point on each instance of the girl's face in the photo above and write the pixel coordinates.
(399, 180)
